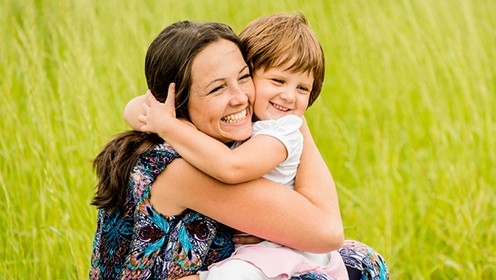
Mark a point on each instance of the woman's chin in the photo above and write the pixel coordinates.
(239, 133)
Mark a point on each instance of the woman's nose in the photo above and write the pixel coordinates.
(238, 96)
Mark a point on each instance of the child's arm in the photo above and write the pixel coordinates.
(191, 277)
(133, 109)
(251, 160)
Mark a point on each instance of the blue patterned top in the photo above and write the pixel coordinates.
(137, 242)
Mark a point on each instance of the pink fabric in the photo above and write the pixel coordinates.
(278, 261)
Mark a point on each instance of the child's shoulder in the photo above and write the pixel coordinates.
(284, 121)
(285, 125)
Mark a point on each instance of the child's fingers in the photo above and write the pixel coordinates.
(150, 99)
(145, 109)
(145, 129)
(143, 119)
(169, 102)
(146, 126)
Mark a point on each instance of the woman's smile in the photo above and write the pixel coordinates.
(236, 117)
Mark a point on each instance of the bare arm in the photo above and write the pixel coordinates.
(306, 219)
(250, 161)
(261, 207)
(191, 277)
(314, 181)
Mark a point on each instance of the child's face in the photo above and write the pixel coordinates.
(280, 92)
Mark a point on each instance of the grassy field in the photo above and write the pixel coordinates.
(406, 122)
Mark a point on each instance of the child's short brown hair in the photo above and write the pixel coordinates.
(282, 40)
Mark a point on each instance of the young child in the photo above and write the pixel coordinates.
(287, 64)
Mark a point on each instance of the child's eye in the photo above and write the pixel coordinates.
(304, 89)
(278, 81)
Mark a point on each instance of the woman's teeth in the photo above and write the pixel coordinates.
(235, 117)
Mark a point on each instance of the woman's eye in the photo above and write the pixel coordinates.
(216, 89)
(245, 77)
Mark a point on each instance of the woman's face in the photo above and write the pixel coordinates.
(221, 93)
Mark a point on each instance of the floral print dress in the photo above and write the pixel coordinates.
(137, 242)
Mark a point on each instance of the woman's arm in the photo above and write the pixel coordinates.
(314, 181)
(260, 207)
(251, 160)
(306, 219)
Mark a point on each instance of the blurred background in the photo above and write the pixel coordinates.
(406, 122)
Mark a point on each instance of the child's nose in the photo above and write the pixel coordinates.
(289, 95)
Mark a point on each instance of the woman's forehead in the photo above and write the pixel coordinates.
(219, 60)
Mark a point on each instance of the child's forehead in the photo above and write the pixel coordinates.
(280, 71)
(291, 66)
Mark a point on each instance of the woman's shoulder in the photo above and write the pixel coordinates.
(157, 158)
(161, 150)
(150, 164)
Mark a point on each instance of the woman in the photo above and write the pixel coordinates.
(158, 232)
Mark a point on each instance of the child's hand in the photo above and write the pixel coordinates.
(156, 114)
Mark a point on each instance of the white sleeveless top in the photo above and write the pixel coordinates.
(287, 130)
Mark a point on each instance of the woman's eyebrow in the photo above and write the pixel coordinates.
(243, 69)
(213, 81)
(220, 79)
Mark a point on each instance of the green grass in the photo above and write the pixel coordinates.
(406, 122)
